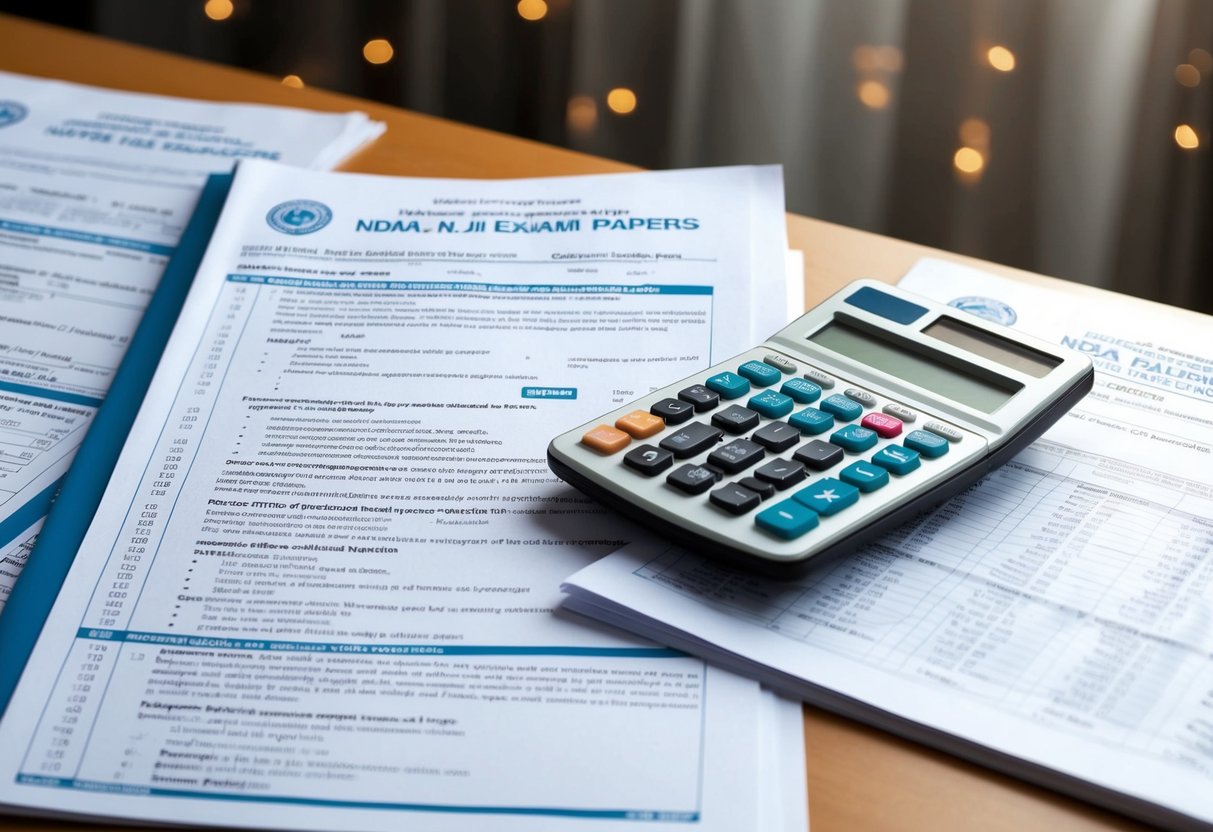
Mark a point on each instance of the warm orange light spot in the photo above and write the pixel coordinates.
(1185, 137)
(621, 100)
(532, 9)
(873, 94)
(293, 81)
(1187, 75)
(968, 160)
(378, 51)
(1201, 59)
(865, 58)
(975, 133)
(218, 9)
(888, 58)
(1001, 58)
(581, 115)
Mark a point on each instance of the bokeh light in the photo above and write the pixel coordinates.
(621, 100)
(378, 51)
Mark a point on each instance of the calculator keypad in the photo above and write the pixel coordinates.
(777, 455)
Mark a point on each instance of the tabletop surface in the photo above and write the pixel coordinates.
(859, 778)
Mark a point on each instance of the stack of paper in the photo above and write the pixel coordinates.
(1056, 621)
(321, 588)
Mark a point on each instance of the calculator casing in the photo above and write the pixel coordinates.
(988, 439)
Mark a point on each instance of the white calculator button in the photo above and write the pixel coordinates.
(821, 379)
(862, 396)
(902, 413)
(950, 434)
(780, 363)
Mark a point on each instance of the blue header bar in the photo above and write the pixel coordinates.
(497, 288)
(53, 395)
(84, 237)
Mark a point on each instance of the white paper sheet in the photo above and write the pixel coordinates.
(1055, 621)
(319, 590)
(95, 189)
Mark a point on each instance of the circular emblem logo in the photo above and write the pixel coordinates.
(299, 216)
(988, 308)
(11, 112)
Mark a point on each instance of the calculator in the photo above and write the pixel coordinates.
(871, 408)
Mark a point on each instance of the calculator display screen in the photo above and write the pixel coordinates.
(944, 379)
(994, 347)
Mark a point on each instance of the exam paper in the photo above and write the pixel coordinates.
(1055, 620)
(320, 590)
(96, 187)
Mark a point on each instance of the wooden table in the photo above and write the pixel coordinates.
(859, 778)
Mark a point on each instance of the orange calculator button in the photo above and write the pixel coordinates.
(640, 424)
(606, 439)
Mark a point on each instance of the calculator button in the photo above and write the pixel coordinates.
(606, 439)
(896, 460)
(763, 489)
(736, 455)
(818, 455)
(734, 498)
(787, 519)
(648, 460)
(886, 426)
(864, 476)
(735, 419)
(764, 375)
(811, 421)
(862, 396)
(821, 379)
(701, 397)
(780, 363)
(902, 413)
(778, 436)
(728, 385)
(693, 439)
(781, 473)
(950, 434)
(672, 411)
(927, 444)
(771, 404)
(803, 391)
(842, 407)
(640, 425)
(854, 438)
(827, 496)
(691, 479)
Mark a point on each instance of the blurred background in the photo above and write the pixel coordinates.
(1069, 137)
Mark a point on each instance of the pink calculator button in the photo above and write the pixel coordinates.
(885, 426)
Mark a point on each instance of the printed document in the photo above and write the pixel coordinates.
(321, 589)
(1055, 620)
(95, 188)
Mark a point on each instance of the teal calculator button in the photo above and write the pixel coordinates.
(764, 375)
(729, 385)
(771, 404)
(802, 390)
(854, 438)
(896, 459)
(787, 519)
(827, 496)
(927, 444)
(811, 421)
(842, 407)
(864, 476)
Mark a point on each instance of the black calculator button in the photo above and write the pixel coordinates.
(735, 499)
(763, 489)
(736, 456)
(692, 479)
(781, 473)
(648, 460)
(701, 397)
(778, 436)
(718, 473)
(673, 411)
(692, 439)
(819, 455)
(735, 419)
